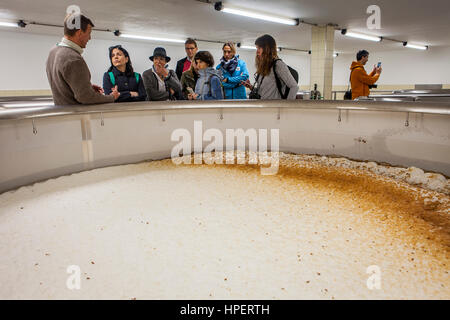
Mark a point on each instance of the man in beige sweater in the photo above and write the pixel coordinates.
(68, 73)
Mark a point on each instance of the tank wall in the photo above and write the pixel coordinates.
(68, 144)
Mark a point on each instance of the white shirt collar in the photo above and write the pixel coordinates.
(161, 83)
(70, 44)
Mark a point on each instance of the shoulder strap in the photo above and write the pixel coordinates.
(111, 77)
(256, 82)
(137, 77)
(277, 80)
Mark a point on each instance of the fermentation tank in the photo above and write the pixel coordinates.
(358, 208)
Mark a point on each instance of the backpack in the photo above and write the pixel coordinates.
(113, 79)
(294, 74)
(209, 84)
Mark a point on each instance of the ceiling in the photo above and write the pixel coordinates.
(418, 21)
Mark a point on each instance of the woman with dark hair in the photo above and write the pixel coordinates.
(269, 68)
(122, 76)
(234, 71)
(209, 83)
(189, 79)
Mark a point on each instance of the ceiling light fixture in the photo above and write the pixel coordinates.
(157, 39)
(414, 46)
(248, 47)
(219, 6)
(352, 34)
(9, 24)
(254, 48)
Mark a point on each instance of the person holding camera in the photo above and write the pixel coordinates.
(189, 80)
(360, 81)
(209, 83)
(273, 77)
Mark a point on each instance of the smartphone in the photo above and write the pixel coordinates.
(379, 64)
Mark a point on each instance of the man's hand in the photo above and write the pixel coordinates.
(225, 80)
(98, 89)
(115, 93)
(378, 70)
(172, 92)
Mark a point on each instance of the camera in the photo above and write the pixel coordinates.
(254, 95)
(373, 86)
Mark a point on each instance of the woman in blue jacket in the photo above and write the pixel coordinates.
(122, 75)
(233, 71)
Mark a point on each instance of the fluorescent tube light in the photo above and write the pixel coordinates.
(254, 48)
(9, 24)
(360, 36)
(27, 105)
(219, 6)
(133, 36)
(414, 46)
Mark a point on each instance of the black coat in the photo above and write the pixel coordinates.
(124, 85)
(179, 68)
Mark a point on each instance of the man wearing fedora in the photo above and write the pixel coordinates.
(160, 83)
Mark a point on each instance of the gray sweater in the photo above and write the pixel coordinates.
(268, 87)
(70, 79)
(154, 93)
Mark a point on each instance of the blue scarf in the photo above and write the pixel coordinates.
(229, 65)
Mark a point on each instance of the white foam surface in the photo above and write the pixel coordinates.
(159, 231)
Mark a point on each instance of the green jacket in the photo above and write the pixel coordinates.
(188, 79)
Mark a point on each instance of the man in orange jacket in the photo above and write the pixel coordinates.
(359, 78)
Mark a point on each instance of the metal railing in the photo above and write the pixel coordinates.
(335, 92)
(39, 111)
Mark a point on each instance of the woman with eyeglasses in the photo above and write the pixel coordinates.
(121, 75)
(234, 72)
(273, 77)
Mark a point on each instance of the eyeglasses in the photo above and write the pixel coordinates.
(187, 48)
(227, 51)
